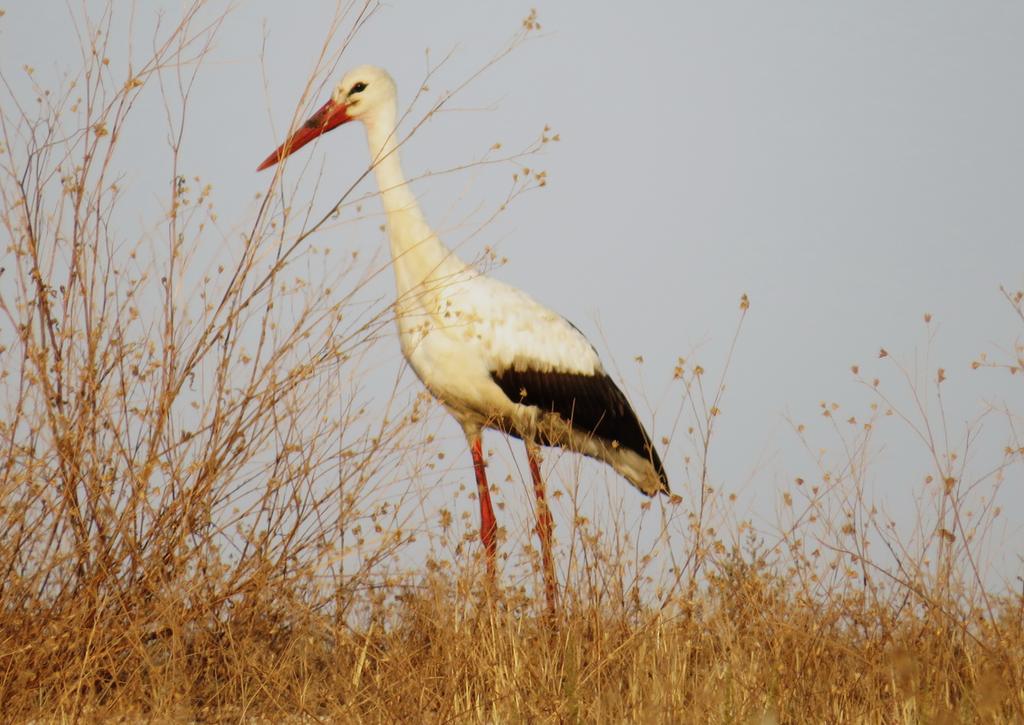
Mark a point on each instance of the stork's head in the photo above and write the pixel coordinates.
(365, 93)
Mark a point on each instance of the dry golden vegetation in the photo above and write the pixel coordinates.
(204, 519)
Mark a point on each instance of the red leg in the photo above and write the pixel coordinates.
(544, 528)
(488, 524)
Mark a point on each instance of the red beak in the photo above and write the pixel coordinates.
(331, 115)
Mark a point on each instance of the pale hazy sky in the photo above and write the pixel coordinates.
(850, 166)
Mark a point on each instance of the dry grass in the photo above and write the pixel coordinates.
(203, 522)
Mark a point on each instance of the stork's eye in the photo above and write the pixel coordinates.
(357, 88)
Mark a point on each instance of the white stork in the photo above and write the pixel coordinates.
(489, 352)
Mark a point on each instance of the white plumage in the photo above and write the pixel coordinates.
(489, 352)
(474, 325)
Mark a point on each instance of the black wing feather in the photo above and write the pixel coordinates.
(591, 403)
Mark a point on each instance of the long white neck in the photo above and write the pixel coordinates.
(419, 257)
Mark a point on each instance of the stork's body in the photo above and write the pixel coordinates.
(489, 352)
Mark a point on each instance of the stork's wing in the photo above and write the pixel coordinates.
(591, 403)
(540, 359)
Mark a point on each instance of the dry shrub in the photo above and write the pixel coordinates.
(202, 521)
(177, 469)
